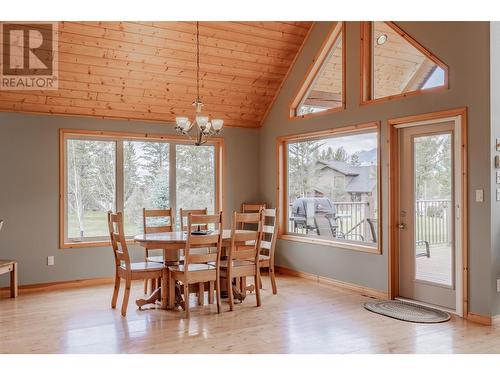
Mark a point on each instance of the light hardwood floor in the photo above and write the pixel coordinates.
(304, 317)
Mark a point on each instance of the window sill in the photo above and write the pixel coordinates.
(403, 95)
(83, 244)
(338, 244)
(294, 116)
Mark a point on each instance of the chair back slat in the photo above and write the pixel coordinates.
(244, 253)
(202, 258)
(246, 236)
(184, 217)
(251, 208)
(266, 245)
(118, 242)
(206, 240)
(270, 212)
(167, 212)
(203, 219)
(268, 229)
(213, 242)
(162, 229)
(248, 218)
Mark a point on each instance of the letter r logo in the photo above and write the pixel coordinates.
(28, 49)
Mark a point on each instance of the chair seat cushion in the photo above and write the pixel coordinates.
(192, 267)
(145, 266)
(236, 263)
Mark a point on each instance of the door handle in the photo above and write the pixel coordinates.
(402, 226)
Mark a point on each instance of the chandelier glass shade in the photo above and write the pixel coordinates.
(205, 127)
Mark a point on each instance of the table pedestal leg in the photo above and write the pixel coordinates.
(155, 296)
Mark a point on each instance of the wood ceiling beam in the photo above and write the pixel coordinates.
(17, 106)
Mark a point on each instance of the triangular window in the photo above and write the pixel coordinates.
(398, 64)
(323, 88)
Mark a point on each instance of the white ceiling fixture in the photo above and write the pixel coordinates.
(382, 39)
(205, 126)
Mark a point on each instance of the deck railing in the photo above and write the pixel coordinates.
(351, 220)
(433, 221)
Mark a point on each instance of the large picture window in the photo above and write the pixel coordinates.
(128, 172)
(330, 186)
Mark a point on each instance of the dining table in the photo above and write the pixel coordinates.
(172, 243)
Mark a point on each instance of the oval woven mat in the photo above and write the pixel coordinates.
(408, 312)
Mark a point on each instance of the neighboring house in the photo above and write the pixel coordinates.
(340, 181)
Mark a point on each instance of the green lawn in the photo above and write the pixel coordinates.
(96, 225)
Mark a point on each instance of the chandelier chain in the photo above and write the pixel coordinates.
(206, 126)
(198, 60)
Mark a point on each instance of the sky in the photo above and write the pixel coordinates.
(352, 143)
(436, 79)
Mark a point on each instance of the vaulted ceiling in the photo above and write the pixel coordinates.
(147, 70)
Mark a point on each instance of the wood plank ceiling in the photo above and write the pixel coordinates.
(147, 70)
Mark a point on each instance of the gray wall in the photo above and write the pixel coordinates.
(29, 168)
(495, 133)
(29, 189)
(469, 86)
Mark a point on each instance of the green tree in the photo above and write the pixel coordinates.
(195, 176)
(91, 179)
(103, 163)
(155, 157)
(326, 154)
(340, 154)
(354, 160)
(79, 181)
(433, 167)
(302, 157)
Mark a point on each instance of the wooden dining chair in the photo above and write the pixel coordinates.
(268, 244)
(150, 220)
(247, 208)
(9, 266)
(199, 268)
(124, 269)
(243, 261)
(183, 214)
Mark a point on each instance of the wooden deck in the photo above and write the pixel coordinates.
(438, 267)
(305, 317)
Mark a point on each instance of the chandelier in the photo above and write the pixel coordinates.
(205, 127)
